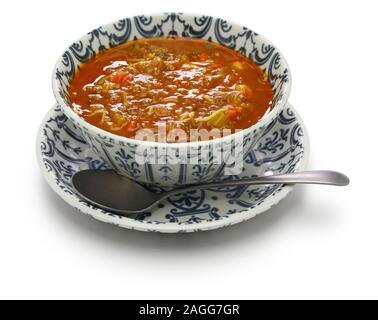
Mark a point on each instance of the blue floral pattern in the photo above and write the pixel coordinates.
(120, 155)
(282, 148)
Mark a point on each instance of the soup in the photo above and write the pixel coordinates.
(181, 83)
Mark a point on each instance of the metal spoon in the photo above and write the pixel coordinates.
(108, 190)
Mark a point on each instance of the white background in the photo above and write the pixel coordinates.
(320, 242)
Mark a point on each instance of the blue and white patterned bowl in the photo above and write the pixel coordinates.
(119, 152)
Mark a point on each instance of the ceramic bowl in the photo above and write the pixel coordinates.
(162, 164)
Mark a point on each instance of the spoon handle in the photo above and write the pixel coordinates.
(325, 177)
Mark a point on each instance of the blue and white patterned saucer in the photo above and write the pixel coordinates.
(283, 148)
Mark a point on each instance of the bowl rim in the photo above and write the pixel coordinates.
(269, 116)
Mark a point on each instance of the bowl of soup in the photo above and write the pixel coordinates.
(172, 99)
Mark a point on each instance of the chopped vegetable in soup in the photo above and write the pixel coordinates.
(182, 83)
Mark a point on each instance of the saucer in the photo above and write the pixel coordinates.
(283, 148)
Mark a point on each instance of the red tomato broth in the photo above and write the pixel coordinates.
(183, 83)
